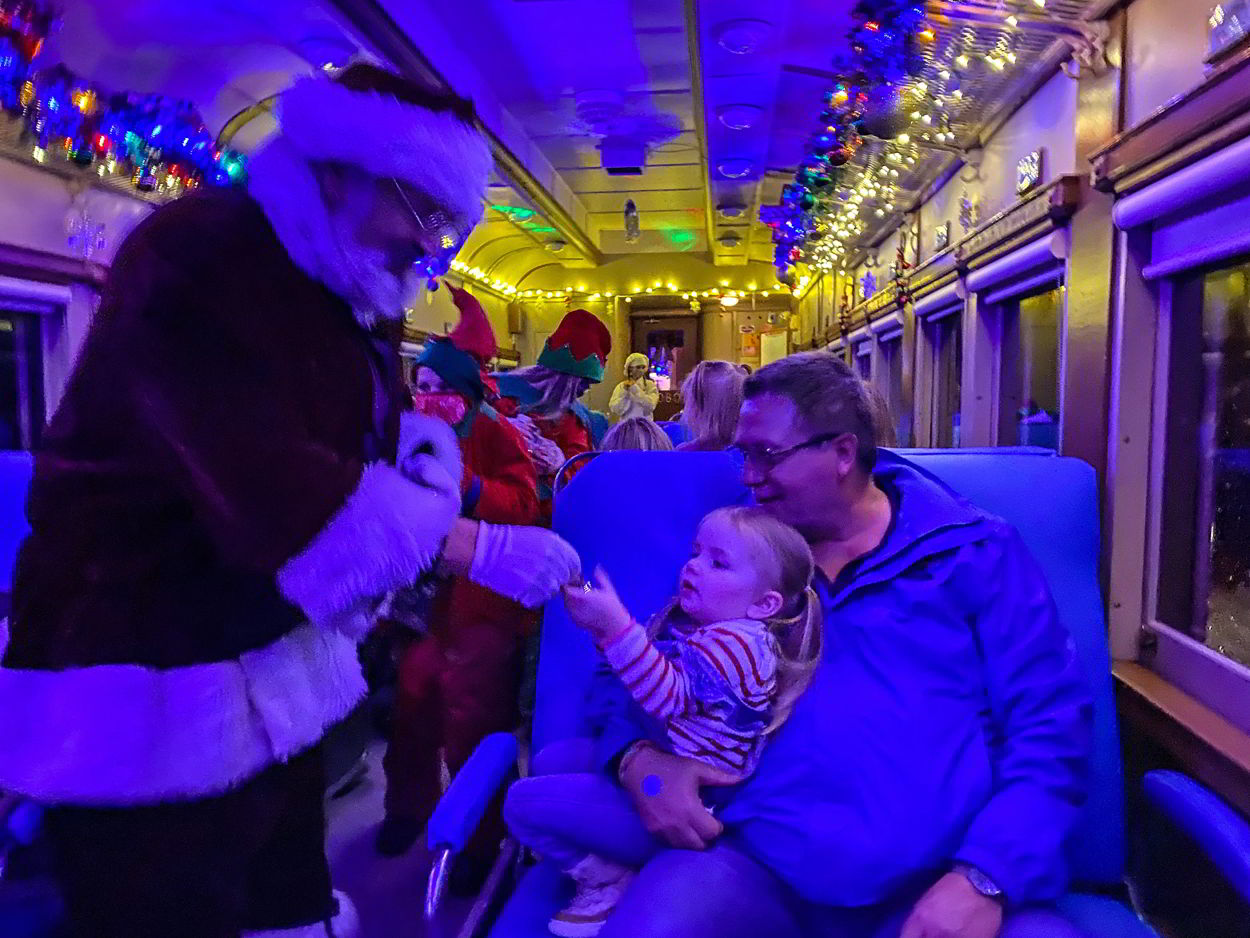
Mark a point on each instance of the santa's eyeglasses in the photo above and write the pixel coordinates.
(439, 242)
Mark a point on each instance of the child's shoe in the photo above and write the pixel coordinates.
(600, 885)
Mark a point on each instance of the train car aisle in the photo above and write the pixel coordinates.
(388, 893)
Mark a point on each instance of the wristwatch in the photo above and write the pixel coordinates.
(980, 882)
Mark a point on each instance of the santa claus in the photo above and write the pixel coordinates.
(215, 517)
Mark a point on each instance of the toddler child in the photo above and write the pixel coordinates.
(720, 668)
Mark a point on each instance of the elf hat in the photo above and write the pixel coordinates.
(460, 357)
(579, 346)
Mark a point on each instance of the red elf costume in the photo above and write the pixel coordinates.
(572, 359)
(459, 682)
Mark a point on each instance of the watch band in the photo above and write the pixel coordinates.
(979, 880)
(628, 755)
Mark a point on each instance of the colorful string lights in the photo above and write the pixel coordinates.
(160, 143)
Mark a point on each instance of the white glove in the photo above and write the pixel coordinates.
(526, 564)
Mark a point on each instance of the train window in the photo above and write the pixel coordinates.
(1028, 377)
(892, 386)
(945, 343)
(863, 360)
(21, 381)
(1204, 552)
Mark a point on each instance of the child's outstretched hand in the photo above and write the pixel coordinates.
(597, 609)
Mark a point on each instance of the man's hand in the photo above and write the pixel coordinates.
(953, 909)
(665, 791)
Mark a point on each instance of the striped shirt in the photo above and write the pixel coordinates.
(712, 687)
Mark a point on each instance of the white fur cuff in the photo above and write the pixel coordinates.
(434, 151)
(123, 734)
(388, 534)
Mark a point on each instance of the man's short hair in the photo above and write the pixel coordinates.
(829, 397)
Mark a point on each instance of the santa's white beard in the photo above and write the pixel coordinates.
(374, 293)
(324, 244)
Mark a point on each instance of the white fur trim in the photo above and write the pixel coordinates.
(346, 924)
(417, 431)
(434, 151)
(388, 534)
(120, 734)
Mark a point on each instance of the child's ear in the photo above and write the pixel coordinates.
(767, 606)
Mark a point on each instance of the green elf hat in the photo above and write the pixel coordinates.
(579, 346)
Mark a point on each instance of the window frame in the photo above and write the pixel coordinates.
(928, 373)
(1180, 658)
(983, 328)
(49, 308)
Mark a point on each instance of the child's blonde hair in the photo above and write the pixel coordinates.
(711, 397)
(641, 433)
(784, 562)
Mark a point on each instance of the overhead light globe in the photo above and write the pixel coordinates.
(739, 116)
(735, 168)
(742, 36)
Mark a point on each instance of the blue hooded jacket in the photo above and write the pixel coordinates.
(947, 722)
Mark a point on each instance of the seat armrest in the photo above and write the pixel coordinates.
(460, 809)
(1219, 831)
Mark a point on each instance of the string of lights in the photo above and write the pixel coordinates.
(724, 292)
(903, 87)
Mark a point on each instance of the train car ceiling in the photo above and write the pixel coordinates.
(698, 114)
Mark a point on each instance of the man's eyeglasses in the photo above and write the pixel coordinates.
(440, 242)
(767, 458)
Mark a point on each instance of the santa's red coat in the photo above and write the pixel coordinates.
(207, 517)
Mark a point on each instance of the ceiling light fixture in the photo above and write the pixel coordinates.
(739, 116)
(735, 168)
(742, 36)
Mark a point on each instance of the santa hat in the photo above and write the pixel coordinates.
(392, 127)
(579, 346)
(460, 357)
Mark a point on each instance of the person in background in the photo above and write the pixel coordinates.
(459, 682)
(637, 395)
(548, 395)
(926, 782)
(882, 418)
(711, 398)
(216, 517)
(639, 433)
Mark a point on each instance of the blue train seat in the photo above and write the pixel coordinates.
(15, 471)
(677, 431)
(658, 499)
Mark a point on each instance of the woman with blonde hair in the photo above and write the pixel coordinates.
(711, 398)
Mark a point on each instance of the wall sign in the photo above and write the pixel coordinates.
(942, 236)
(1028, 171)
(1226, 26)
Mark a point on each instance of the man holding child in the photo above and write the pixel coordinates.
(925, 781)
